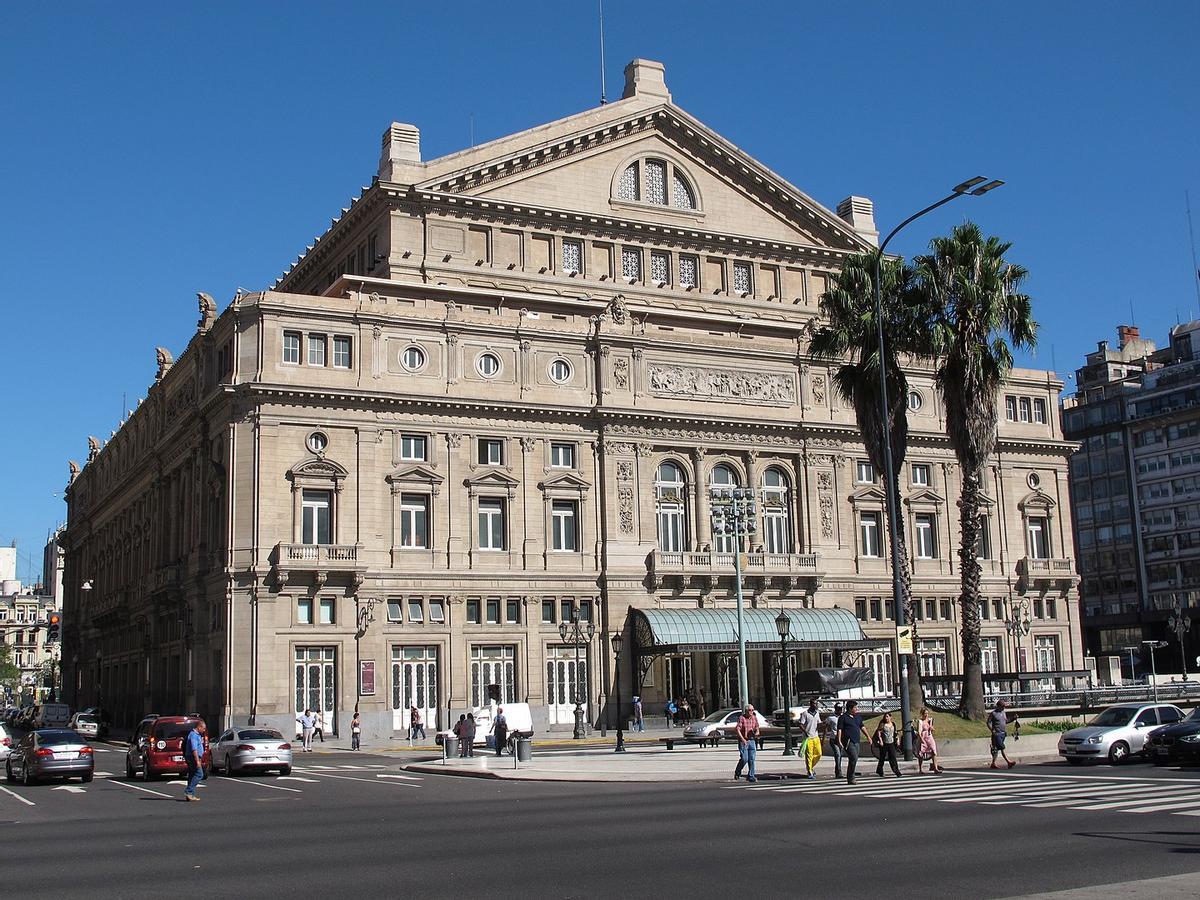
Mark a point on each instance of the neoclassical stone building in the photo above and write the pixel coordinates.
(496, 394)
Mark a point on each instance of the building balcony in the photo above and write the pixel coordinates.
(317, 563)
(703, 569)
(1046, 574)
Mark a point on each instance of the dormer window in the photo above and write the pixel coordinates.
(658, 182)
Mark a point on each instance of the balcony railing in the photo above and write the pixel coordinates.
(702, 569)
(318, 560)
(1043, 574)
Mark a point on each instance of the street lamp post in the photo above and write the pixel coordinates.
(974, 187)
(579, 636)
(616, 648)
(735, 513)
(1132, 671)
(784, 626)
(1180, 624)
(1154, 645)
(1017, 625)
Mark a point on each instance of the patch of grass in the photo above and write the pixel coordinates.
(949, 727)
(1053, 726)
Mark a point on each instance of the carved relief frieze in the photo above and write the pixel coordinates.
(695, 382)
(624, 470)
(825, 503)
(621, 372)
(625, 507)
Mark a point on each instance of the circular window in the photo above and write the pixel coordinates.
(317, 442)
(1033, 480)
(914, 401)
(488, 365)
(560, 371)
(413, 358)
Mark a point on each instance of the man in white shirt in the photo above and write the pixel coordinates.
(308, 724)
(809, 723)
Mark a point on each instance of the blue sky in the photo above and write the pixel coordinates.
(153, 150)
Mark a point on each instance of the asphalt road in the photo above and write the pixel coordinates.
(356, 823)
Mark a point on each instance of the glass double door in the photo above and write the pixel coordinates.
(316, 683)
(565, 681)
(414, 684)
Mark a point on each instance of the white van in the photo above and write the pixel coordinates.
(520, 722)
(52, 715)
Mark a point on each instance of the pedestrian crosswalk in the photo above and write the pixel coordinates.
(1114, 794)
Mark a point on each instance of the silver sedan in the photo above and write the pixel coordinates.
(246, 749)
(50, 753)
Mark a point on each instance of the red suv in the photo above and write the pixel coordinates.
(157, 747)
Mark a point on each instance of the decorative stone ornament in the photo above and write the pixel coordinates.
(208, 311)
(165, 361)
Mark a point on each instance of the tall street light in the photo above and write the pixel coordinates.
(735, 514)
(1180, 623)
(578, 636)
(1154, 645)
(617, 640)
(783, 625)
(1017, 625)
(974, 187)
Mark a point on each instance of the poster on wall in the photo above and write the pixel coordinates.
(366, 677)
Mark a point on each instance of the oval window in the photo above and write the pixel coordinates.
(560, 371)
(914, 401)
(413, 358)
(317, 442)
(488, 365)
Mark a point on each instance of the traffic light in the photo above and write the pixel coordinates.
(53, 628)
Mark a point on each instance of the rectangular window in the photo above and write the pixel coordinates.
(947, 607)
(512, 611)
(1038, 535)
(414, 521)
(572, 257)
(860, 608)
(437, 611)
(565, 525)
(926, 529)
(341, 352)
(316, 349)
(660, 267)
(877, 609)
(1010, 408)
(631, 264)
(931, 608)
(868, 524)
(315, 517)
(985, 609)
(1023, 408)
(547, 612)
(416, 610)
(864, 472)
(920, 474)
(565, 608)
(1039, 411)
(291, 347)
(689, 268)
(395, 612)
(491, 452)
(983, 547)
(562, 456)
(325, 611)
(473, 611)
(493, 610)
(743, 281)
(414, 448)
(304, 612)
(491, 523)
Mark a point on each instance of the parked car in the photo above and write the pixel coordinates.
(722, 723)
(52, 715)
(50, 753)
(6, 742)
(242, 749)
(157, 747)
(1117, 733)
(88, 725)
(1176, 744)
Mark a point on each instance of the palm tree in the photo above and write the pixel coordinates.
(850, 334)
(971, 296)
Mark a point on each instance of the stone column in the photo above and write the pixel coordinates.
(700, 487)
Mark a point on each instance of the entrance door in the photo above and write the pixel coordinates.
(726, 686)
(493, 666)
(414, 683)
(563, 680)
(316, 685)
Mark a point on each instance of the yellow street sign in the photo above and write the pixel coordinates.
(904, 642)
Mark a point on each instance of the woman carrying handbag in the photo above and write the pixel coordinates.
(884, 741)
(927, 746)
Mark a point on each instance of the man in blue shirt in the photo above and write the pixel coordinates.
(849, 733)
(193, 754)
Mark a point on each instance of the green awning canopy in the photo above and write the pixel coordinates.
(687, 630)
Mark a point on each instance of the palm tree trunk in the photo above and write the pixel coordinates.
(916, 695)
(971, 702)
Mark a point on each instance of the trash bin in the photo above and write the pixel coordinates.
(524, 749)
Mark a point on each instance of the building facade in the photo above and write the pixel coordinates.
(494, 396)
(23, 617)
(1135, 488)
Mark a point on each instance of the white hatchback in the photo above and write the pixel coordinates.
(1117, 733)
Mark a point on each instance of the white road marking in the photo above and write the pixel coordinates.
(18, 796)
(70, 788)
(364, 780)
(273, 787)
(138, 787)
(104, 774)
(405, 777)
(296, 778)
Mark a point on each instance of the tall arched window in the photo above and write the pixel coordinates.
(656, 181)
(723, 477)
(670, 499)
(776, 512)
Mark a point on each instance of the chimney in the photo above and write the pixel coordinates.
(859, 212)
(1126, 334)
(401, 148)
(646, 78)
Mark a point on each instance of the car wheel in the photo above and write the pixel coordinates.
(1119, 753)
(1074, 761)
(147, 775)
(286, 770)
(130, 774)
(8, 773)
(87, 779)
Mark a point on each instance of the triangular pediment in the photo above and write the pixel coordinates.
(577, 168)
(566, 481)
(868, 494)
(924, 496)
(318, 467)
(414, 474)
(494, 480)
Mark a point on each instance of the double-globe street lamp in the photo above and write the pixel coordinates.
(974, 187)
(616, 648)
(1017, 625)
(1180, 623)
(735, 515)
(783, 625)
(578, 635)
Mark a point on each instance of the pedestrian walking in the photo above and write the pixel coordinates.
(460, 729)
(193, 754)
(469, 733)
(997, 722)
(747, 737)
(927, 751)
(809, 724)
(319, 726)
(307, 723)
(355, 731)
(416, 724)
(849, 733)
(885, 743)
(639, 724)
(671, 709)
(835, 748)
(685, 711)
(500, 730)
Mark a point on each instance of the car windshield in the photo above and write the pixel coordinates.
(169, 730)
(260, 735)
(1117, 715)
(85, 720)
(54, 738)
(717, 716)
